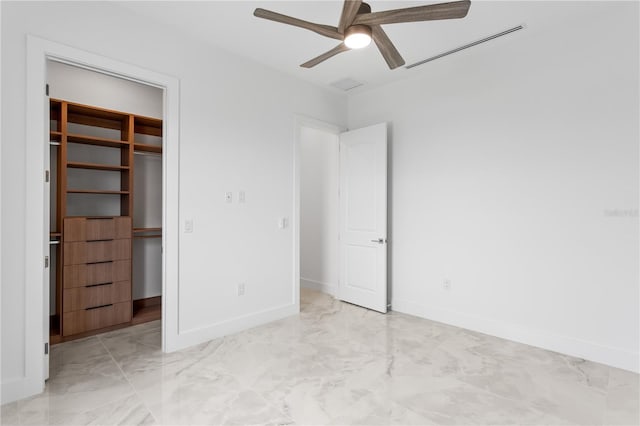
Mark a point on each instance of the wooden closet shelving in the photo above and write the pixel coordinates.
(147, 232)
(141, 147)
(94, 166)
(96, 191)
(135, 230)
(91, 140)
(94, 297)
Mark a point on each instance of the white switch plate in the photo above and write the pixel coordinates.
(283, 222)
(228, 197)
(241, 197)
(188, 226)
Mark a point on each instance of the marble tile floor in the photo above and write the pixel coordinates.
(335, 363)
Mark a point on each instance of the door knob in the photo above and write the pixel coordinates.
(379, 241)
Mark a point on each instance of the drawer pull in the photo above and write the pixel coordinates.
(99, 284)
(103, 261)
(98, 307)
(97, 241)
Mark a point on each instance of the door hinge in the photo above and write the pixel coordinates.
(46, 348)
(46, 176)
(46, 89)
(46, 261)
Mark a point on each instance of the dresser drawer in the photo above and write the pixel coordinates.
(96, 251)
(96, 273)
(81, 298)
(96, 229)
(93, 318)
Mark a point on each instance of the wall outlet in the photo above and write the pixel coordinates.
(446, 284)
(188, 226)
(241, 289)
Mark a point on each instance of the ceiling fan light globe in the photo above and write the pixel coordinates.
(357, 36)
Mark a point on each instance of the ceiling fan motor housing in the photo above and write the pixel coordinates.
(358, 29)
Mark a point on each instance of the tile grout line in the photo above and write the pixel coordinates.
(135, 391)
(49, 415)
(244, 387)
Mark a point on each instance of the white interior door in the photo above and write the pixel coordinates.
(363, 217)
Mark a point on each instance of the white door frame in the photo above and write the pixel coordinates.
(300, 122)
(40, 50)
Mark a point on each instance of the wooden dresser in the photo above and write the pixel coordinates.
(96, 273)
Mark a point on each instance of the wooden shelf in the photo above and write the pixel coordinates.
(55, 136)
(142, 232)
(96, 191)
(142, 147)
(97, 117)
(94, 166)
(55, 234)
(92, 140)
(137, 230)
(145, 310)
(147, 126)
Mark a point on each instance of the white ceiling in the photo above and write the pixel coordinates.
(232, 26)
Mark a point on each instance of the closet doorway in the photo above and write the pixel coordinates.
(105, 198)
(319, 207)
(343, 212)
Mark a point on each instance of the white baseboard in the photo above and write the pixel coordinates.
(616, 357)
(319, 286)
(191, 337)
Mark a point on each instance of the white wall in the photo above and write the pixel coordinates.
(236, 133)
(87, 87)
(514, 174)
(319, 209)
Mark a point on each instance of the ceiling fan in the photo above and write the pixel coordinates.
(358, 25)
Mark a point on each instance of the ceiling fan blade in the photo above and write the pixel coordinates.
(386, 47)
(349, 12)
(432, 12)
(333, 52)
(325, 30)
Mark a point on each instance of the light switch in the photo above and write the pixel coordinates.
(241, 197)
(283, 222)
(188, 226)
(228, 197)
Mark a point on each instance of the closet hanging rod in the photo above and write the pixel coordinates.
(54, 143)
(53, 242)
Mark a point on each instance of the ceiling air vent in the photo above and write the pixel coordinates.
(346, 84)
(466, 46)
